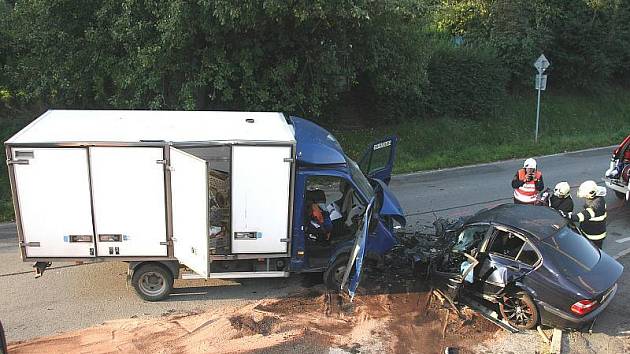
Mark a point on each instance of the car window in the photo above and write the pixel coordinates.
(528, 255)
(470, 238)
(506, 244)
(570, 252)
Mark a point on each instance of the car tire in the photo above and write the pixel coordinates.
(333, 276)
(519, 310)
(152, 281)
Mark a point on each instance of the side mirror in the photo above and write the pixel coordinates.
(3, 341)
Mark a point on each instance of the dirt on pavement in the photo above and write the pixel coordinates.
(400, 319)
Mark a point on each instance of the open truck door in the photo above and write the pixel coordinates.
(357, 253)
(378, 160)
(190, 210)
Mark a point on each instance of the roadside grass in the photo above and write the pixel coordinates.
(568, 122)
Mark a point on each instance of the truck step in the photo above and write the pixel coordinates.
(237, 275)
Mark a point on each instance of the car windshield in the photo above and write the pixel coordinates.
(570, 252)
(359, 179)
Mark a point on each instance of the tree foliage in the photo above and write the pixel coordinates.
(301, 57)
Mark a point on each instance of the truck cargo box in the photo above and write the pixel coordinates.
(152, 185)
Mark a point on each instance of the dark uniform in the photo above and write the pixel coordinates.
(564, 205)
(593, 220)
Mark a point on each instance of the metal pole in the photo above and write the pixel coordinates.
(538, 107)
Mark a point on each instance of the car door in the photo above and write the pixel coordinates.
(378, 159)
(352, 275)
(506, 257)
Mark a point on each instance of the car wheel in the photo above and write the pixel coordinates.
(152, 282)
(519, 310)
(333, 276)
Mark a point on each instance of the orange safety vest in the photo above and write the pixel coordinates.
(527, 192)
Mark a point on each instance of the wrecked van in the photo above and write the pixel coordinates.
(198, 195)
(529, 262)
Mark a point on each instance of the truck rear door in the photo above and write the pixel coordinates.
(189, 189)
(53, 192)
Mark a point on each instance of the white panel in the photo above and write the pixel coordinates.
(128, 192)
(260, 198)
(189, 186)
(176, 126)
(54, 199)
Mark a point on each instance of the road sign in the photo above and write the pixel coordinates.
(541, 64)
(541, 82)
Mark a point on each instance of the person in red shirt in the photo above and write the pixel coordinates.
(527, 183)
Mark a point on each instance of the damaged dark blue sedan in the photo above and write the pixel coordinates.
(530, 263)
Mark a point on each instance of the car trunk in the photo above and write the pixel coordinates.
(601, 278)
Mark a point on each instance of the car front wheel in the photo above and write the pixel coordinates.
(519, 310)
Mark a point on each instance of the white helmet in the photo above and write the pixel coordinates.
(562, 190)
(588, 190)
(530, 163)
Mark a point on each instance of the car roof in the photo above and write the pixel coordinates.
(541, 222)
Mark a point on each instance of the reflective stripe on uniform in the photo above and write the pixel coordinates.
(580, 217)
(600, 218)
(595, 237)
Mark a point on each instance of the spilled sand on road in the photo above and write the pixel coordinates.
(374, 322)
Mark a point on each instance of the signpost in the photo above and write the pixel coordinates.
(541, 65)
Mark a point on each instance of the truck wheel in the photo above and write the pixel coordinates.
(519, 310)
(152, 281)
(334, 274)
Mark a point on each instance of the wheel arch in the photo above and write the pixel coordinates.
(171, 266)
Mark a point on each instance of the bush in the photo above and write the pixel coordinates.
(465, 82)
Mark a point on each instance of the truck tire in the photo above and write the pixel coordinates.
(334, 274)
(152, 281)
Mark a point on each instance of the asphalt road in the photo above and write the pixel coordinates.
(70, 297)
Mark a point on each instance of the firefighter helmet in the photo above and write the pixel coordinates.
(562, 190)
(588, 190)
(530, 163)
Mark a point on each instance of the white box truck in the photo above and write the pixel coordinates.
(196, 194)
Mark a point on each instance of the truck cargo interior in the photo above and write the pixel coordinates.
(218, 159)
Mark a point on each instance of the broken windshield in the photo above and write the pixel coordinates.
(359, 179)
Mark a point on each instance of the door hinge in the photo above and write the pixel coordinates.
(166, 243)
(17, 162)
(160, 162)
(289, 159)
(30, 244)
(284, 240)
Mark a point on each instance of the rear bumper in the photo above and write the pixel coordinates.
(554, 317)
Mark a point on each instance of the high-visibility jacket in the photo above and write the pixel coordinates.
(526, 191)
(593, 218)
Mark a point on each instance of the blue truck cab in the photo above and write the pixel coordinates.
(321, 164)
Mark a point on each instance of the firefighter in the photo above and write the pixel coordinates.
(561, 198)
(593, 218)
(527, 183)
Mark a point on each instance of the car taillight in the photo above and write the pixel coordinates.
(583, 307)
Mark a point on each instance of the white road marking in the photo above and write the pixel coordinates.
(622, 240)
(622, 253)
